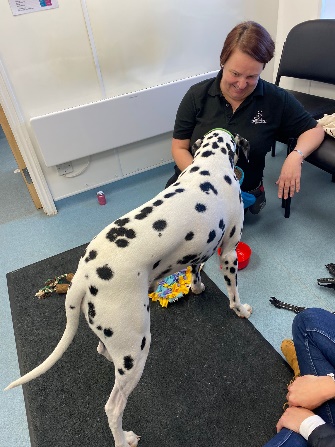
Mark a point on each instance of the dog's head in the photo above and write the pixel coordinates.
(234, 144)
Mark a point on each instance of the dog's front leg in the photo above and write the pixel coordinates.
(197, 286)
(229, 267)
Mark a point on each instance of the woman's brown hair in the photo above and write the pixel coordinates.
(250, 38)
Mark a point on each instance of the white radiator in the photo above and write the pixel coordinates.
(91, 128)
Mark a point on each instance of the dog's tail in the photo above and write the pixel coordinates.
(73, 305)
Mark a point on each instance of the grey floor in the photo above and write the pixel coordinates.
(288, 254)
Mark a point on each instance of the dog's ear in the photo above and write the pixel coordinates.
(242, 145)
(196, 146)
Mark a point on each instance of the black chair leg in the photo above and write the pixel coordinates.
(286, 204)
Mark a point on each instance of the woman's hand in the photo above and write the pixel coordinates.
(310, 391)
(292, 418)
(289, 179)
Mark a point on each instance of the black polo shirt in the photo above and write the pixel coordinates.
(268, 115)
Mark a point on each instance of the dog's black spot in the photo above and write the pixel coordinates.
(227, 279)
(215, 145)
(179, 190)
(159, 225)
(221, 225)
(91, 310)
(224, 150)
(115, 233)
(235, 262)
(188, 259)
(144, 213)
(169, 194)
(194, 169)
(158, 202)
(128, 362)
(93, 290)
(91, 255)
(189, 236)
(232, 270)
(122, 243)
(211, 236)
(207, 187)
(228, 179)
(156, 264)
(233, 230)
(122, 222)
(72, 307)
(200, 207)
(120, 371)
(204, 173)
(207, 154)
(143, 343)
(99, 328)
(105, 272)
(108, 332)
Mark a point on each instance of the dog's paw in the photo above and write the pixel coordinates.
(242, 310)
(131, 438)
(197, 288)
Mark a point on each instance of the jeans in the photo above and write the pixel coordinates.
(314, 339)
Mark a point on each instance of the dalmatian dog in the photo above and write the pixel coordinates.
(183, 225)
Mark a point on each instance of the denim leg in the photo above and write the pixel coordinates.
(314, 339)
(287, 438)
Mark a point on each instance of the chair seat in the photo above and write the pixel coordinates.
(317, 106)
(324, 156)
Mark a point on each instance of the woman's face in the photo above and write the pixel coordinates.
(240, 76)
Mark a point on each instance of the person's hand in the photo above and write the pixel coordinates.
(292, 418)
(289, 178)
(310, 391)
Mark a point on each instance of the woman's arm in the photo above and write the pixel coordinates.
(180, 153)
(289, 178)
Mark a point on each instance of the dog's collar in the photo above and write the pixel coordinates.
(220, 128)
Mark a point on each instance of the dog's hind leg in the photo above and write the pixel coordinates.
(125, 383)
(128, 371)
(229, 267)
(197, 286)
(114, 410)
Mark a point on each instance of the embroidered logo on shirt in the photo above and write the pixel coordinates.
(258, 118)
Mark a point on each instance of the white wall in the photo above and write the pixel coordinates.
(50, 66)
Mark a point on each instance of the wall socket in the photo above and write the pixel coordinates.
(64, 168)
